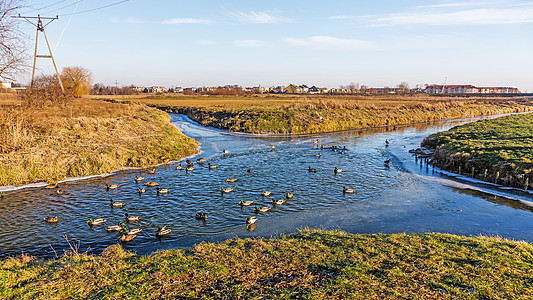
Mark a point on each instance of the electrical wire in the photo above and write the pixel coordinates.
(66, 6)
(98, 8)
(58, 2)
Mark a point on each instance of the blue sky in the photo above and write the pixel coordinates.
(324, 43)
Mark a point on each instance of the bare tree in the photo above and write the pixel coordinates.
(403, 87)
(12, 47)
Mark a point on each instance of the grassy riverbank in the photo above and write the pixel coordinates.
(311, 264)
(84, 137)
(310, 114)
(498, 150)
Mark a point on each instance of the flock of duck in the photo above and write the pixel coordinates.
(130, 234)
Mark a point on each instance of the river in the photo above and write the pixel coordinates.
(403, 196)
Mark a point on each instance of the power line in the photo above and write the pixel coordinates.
(63, 7)
(58, 2)
(93, 9)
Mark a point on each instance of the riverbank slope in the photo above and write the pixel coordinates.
(317, 113)
(82, 138)
(498, 150)
(310, 264)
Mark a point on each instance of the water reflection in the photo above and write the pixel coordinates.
(402, 196)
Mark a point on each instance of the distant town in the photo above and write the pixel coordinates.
(351, 89)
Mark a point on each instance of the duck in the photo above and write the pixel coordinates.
(131, 218)
(262, 209)
(231, 180)
(153, 183)
(318, 155)
(278, 202)
(141, 190)
(272, 147)
(98, 221)
(152, 171)
(51, 219)
(111, 187)
(211, 166)
(387, 161)
(201, 216)
(251, 220)
(225, 151)
(116, 204)
(134, 231)
(226, 190)
(386, 143)
(59, 192)
(162, 231)
(2, 194)
(162, 191)
(249, 171)
(289, 195)
(127, 238)
(52, 186)
(337, 170)
(246, 203)
(312, 170)
(189, 162)
(139, 178)
(179, 167)
(349, 191)
(266, 193)
(118, 227)
(189, 169)
(200, 160)
(315, 142)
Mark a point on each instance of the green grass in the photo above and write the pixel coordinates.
(311, 264)
(502, 146)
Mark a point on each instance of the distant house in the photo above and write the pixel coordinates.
(469, 89)
(313, 90)
(6, 85)
(293, 89)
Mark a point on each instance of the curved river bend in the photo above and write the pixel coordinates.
(405, 196)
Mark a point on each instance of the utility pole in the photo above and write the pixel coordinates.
(444, 85)
(40, 28)
(116, 87)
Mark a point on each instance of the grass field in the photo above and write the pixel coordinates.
(85, 137)
(498, 150)
(311, 264)
(309, 114)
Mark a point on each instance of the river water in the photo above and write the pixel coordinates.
(405, 196)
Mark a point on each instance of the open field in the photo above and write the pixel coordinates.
(310, 114)
(311, 264)
(84, 137)
(498, 150)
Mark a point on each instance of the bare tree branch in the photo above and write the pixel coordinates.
(12, 46)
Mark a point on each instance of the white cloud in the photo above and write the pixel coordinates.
(256, 17)
(186, 21)
(249, 43)
(330, 42)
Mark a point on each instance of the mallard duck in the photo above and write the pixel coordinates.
(211, 166)
(179, 167)
(289, 195)
(387, 161)
(162, 191)
(386, 142)
(337, 170)
(52, 186)
(127, 238)
(98, 221)
(278, 202)
(251, 220)
(249, 171)
(272, 147)
(131, 218)
(349, 191)
(266, 193)
(2, 194)
(141, 190)
(118, 227)
(153, 183)
(134, 231)
(200, 160)
(262, 209)
(152, 171)
(189, 163)
(315, 142)
(318, 155)
(246, 203)
(111, 187)
(226, 190)
(189, 169)
(231, 180)
(139, 178)
(59, 192)
(201, 216)
(162, 231)
(225, 151)
(312, 170)
(116, 204)
(51, 219)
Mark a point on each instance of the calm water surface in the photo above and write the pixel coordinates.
(406, 196)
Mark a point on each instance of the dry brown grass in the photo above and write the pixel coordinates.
(87, 137)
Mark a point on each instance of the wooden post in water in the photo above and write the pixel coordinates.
(473, 170)
(497, 176)
(485, 175)
(459, 170)
(526, 184)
